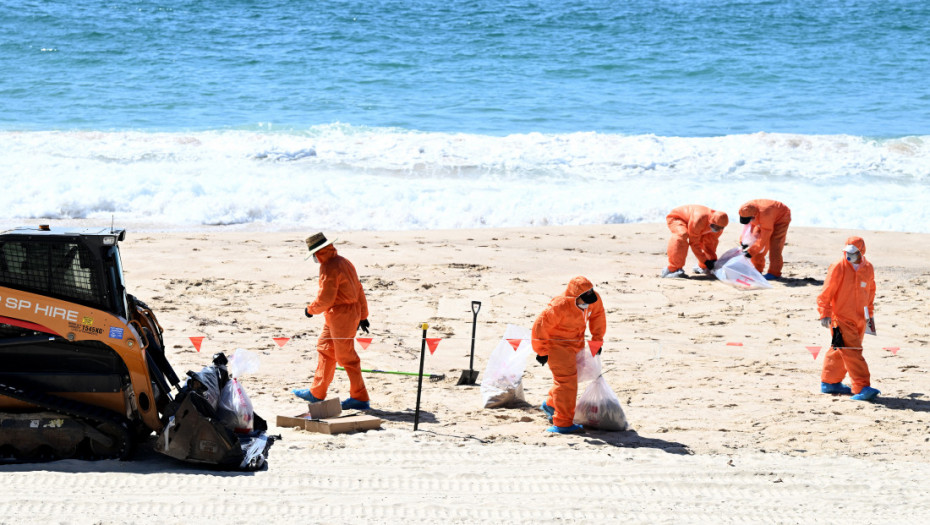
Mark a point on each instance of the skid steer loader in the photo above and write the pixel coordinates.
(83, 371)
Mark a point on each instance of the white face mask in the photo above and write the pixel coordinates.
(583, 306)
(315, 259)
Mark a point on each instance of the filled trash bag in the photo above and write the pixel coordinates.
(599, 408)
(588, 366)
(234, 408)
(502, 382)
(736, 270)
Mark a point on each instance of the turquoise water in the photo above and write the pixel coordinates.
(672, 68)
(460, 114)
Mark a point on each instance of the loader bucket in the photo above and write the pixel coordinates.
(192, 435)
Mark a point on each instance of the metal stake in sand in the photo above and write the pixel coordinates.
(416, 414)
(471, 375)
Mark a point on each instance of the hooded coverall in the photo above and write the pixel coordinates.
(342, 299)
(772, 219)
(846, 292)
(559, 333)
(690, 226)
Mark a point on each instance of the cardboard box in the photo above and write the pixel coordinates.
(333, 425)
(319, 410)
(341, 425)
(324, 409)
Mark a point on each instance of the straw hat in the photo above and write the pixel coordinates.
(318, 241)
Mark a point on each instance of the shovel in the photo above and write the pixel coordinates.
(471, 375)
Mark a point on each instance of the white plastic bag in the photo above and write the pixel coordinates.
(502, 383)
(242, 362)
(600, 408)
(235, 407)
(588, 366)
(736, 270)
(748, 236)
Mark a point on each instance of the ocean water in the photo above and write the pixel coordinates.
(457, 114)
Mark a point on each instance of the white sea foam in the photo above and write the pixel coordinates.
(341, 177)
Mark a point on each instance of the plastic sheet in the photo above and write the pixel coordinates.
(736, 270)
(600, 408)
(502, 382)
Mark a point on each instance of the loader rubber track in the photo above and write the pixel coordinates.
(109, 423)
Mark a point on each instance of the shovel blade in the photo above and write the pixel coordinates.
(468, 377)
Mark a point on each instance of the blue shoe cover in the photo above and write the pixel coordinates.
(835, 388)
(574, 429)
(355, 404)
(304, 393)
(547, 409)
(770, 277)
(866, 394)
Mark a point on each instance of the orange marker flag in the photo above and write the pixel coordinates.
(364, 341)
(595, 346)
(814, 350)
(515, 343)
(281, 341)
(196, 341)
(734, 344)
(432, 343)
(892, 349)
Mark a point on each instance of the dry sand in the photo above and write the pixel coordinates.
(719, 433)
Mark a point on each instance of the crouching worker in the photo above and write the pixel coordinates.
(341, 300)
(848, 290)
(771, 219)
(698, 227)
(558, 334)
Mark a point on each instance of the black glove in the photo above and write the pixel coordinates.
(599, 350)
(709, 263)
(747, 254)
(542, 359)
(363, 325)
(308, 314)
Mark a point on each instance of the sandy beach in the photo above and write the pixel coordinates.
(719, 386)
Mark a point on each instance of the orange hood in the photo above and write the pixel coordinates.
(749, 210)
(858, 243)
(719, 218)
(577, 286)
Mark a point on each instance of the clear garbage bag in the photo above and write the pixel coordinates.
(502, 382)
(600, 408)
(736, 270)
(242, 362)
(235, 408)
(588, 366)
(749, 235)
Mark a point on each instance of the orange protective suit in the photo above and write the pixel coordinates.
(559, 333)
(690, 226)
(846, 292)
(342, 299)
(772, 219)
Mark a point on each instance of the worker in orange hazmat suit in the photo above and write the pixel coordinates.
(342, 301)
(698, 227)
(559, 334)
(846, 306)
(772, 219)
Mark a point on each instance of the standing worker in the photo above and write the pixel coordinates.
(772, 219)
(342, 301)
(558, 334)
(699, 227)
(848, 293)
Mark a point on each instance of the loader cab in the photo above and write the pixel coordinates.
(80, 265)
